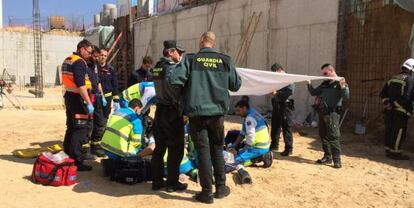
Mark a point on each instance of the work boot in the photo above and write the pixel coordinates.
(274, 149)
(177, 187)
(267, 159)
(324, 160)
(397, 156)
(337, 163)
(222, 191)
(204, 197)
(83, 167)
(88, 156)
(285, 153)
(158, 186)
(98, 152)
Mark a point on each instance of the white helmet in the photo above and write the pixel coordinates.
(409, 64)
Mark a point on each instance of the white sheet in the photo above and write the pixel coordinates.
(257, 82)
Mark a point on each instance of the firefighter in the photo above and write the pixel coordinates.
(108, 90)
(397, 98)
(143, 74)
(93, 149)
(79, 106)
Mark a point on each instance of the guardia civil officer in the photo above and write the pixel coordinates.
(283, 105)
(207, 77)
(330, 95)
(168, 121)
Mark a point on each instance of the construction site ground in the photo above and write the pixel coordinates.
(367, 179)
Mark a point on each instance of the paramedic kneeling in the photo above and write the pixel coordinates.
(255, 134)
(124, 133)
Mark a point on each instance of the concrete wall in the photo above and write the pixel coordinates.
(16, 54)
(299, 34)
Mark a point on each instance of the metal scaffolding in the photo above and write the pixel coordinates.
(37, 44)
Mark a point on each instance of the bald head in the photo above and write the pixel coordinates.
(208, 40)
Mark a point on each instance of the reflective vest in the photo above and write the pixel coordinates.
(123, 134)
(133, 92)
(68, 76)
(397, 88)
(136, 91)
(261, 136)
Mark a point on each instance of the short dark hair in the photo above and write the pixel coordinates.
(96, 49)
(242, 103)
(135, 103)
(245, 98)
(165, 52)
(147, 60)
(103, 49)
(83, 43)
(326, 65)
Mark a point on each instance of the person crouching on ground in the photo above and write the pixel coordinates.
(254, 134)
(124, 132)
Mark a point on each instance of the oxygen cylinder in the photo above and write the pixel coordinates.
(243, 175)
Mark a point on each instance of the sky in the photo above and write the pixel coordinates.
(21, 10)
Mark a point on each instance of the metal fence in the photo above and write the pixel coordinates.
(375, 43)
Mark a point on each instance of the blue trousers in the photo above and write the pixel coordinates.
(249, 154)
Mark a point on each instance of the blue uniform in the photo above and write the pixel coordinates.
(256, 136)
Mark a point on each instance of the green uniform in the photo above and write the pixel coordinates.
(207, 78)
(168, 125)
(212, 75)
(330, 97)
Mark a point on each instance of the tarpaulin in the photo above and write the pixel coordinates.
(406, 4)
(257, 82)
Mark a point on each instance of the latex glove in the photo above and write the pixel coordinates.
(104, 102)
(116, 106)
(90, 108)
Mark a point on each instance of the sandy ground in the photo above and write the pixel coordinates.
(367, 179)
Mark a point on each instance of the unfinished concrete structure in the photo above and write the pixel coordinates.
(16, 53)
(299, 34)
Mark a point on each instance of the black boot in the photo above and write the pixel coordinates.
(337, 163)
(98, 152)
(177, 187)
(287, 152)
(267, 159)
(274, 149)
(86, 155)
(222, 191)
(204, 197)
(156, 186)
(83, 167)
(325, 160)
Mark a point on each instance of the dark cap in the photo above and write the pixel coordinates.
(173, 44)
(276, 66)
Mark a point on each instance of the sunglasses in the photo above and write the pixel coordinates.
(88, 51)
